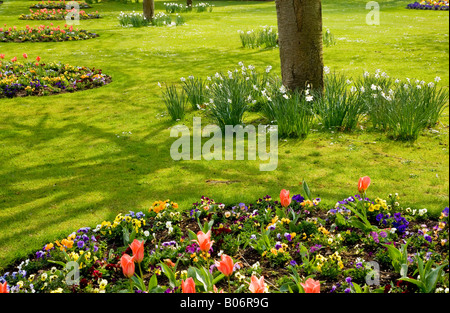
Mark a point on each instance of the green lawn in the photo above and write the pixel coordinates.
(65, 162)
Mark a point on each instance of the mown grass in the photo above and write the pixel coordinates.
(69, 161)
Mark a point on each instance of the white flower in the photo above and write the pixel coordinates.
(353, 89)
(326, 70)
(431, 85)
(230, 101)
(146, 233)
(363, 89)
(183, 79)
(419, 87)
(366, 74)
(309, 98)
(437, 79)
(283, 89)
(373, 87)
(268, 69)
(285, 96)
(397, 81)
(393, 230)
(159, 85)
(349, 81)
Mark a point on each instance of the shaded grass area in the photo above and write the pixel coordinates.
(69, 161)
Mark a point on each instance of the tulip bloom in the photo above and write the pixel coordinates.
(2, 56)
(4, 288)
(25, 56)
(257, 285)
(285, 199)
(38, 59)
(363, 184)
(226, 265)
(138, 250)
(188, 286)
(311, 286)
(127, 263)
(204, 240)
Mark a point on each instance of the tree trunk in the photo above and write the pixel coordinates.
(300, 41)
(149, 9)
(189, 3)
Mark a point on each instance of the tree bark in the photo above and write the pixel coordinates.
(301, 43)
(149, 9)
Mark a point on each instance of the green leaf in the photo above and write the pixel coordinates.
(57, 262)
(432, 278)
(416, 282)
(153, 282)
(306, 190)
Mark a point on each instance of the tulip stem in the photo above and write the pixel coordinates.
(131, 286)
(229, 288)
(140, 270)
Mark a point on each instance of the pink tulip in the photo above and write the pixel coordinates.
(25, 55)
(4, 288)
(311, 286)
(138, 250)
(188, 286)
(204, 240)
(127, 263)
(363, 184)
(226, 265)
(257, 285)
(285, 199)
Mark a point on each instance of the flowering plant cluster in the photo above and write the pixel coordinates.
(59, 4)
(20, 78)
(429, 5)
(58, 14)
(173, 7)
(402, 109)
(287, 244)
(135, 19)
(44, 33)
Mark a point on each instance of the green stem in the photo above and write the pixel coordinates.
(131, 286)
(140, 270)
(229, 288)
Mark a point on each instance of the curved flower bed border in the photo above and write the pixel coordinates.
(44, 33)
(58, 14)
(289, 245)
(61, 4)
(19, 79)
(429, 5)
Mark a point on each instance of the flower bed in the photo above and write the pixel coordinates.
(429, 5)
(57, 14)
(135, 19)
(61, 4)
(20, 79)
(291, 244)
(44, 33)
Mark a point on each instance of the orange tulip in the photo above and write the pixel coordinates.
(226, 265)
(311, 286)
(188, 286)
(257, 285)
(204, 240)
(363, 184)
(127, 263)
(4, 288)
(138, 250)
(285, 199)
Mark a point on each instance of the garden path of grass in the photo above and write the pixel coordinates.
(65, 161)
